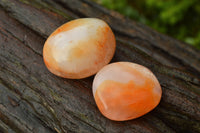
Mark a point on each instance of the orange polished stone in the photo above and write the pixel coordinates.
(125, 91)
(79, 48)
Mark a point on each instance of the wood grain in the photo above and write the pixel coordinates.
(36, 101)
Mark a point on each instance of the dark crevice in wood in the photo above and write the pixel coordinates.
(8, 122)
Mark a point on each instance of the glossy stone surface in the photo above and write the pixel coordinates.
(125, 91)
(79, 48)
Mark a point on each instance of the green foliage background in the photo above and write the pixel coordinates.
(177, 18)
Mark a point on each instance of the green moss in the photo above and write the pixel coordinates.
(83, 117)
(55, 96)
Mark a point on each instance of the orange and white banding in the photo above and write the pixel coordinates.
(125, 91)
(79, 48)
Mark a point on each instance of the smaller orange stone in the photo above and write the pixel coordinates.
(125, 91)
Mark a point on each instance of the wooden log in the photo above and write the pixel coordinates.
(34, 100)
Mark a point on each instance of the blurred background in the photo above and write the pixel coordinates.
(177, 18)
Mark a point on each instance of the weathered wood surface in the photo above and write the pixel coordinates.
(34, 100)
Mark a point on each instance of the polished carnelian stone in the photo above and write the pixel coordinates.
(79, 48)
(125, 91)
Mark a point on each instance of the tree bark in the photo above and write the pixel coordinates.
(32, 100)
